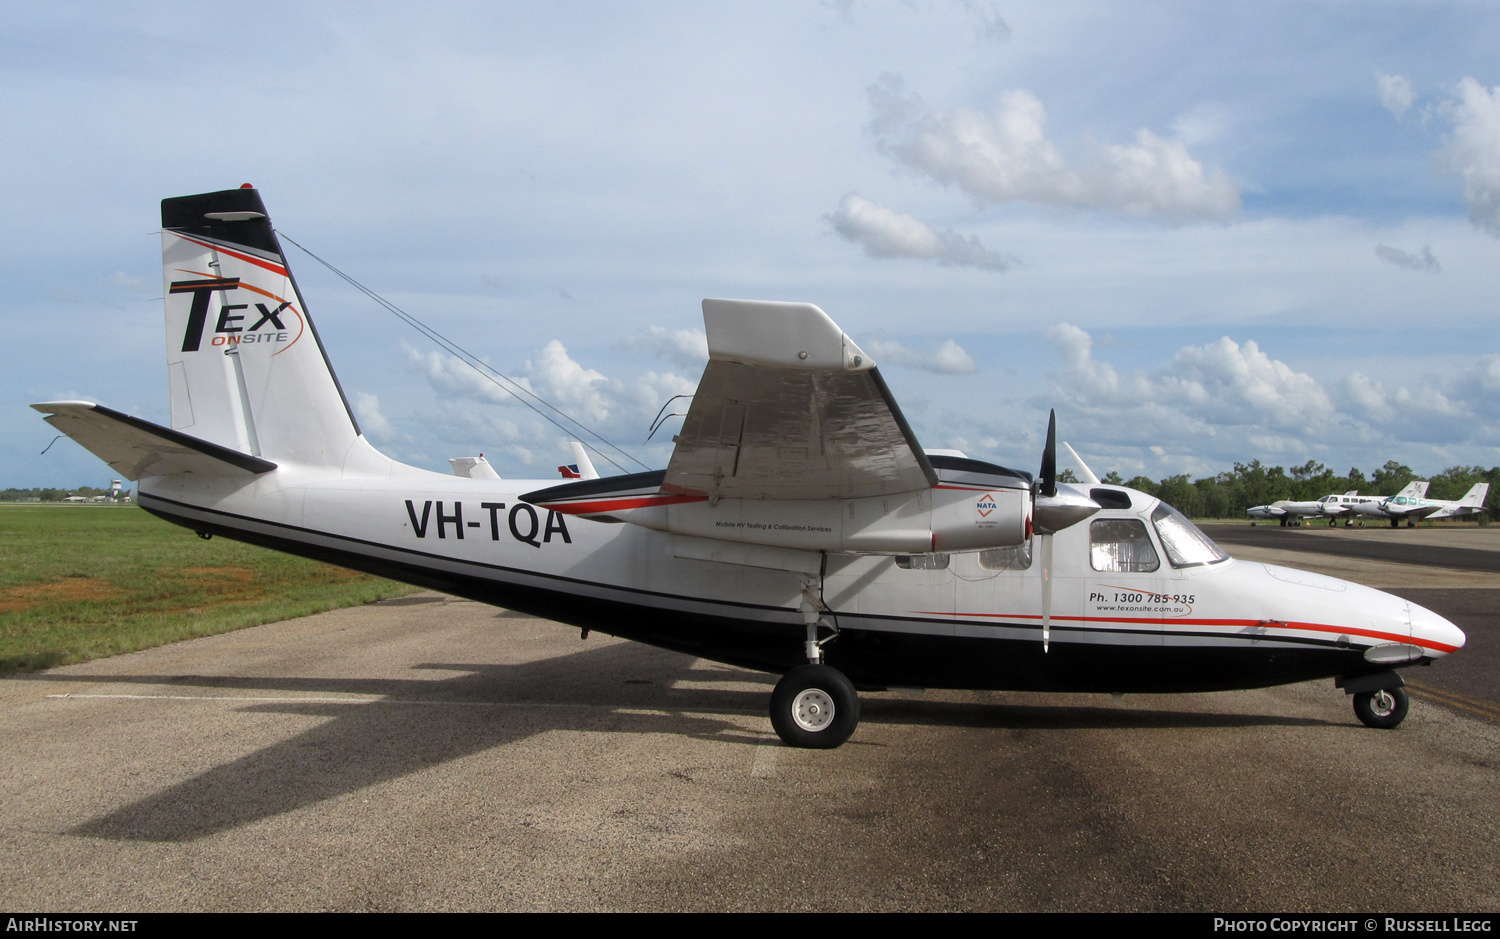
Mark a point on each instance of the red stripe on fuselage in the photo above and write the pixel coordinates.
(1241, 623)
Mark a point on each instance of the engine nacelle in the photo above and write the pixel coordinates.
(941, 519)
(974, 506)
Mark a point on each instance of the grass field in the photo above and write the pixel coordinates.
(82, 581)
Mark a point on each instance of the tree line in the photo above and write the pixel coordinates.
(1228, 495)
(50, 495)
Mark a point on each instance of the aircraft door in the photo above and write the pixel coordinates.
(1130, 586)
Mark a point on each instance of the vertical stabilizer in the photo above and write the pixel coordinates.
(1416, 489)
(246, 369)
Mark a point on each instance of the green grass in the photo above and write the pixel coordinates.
(78, 582)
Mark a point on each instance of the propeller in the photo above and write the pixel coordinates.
(1046, 488)
(1052, 512)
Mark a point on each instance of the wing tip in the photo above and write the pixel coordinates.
(56, 407)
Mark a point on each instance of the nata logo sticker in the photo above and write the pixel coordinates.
(986, 505)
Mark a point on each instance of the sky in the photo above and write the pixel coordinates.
(1203, 233)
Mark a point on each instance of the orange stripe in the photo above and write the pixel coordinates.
(273, 268)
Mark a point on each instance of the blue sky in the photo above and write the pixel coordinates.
(1205, 233)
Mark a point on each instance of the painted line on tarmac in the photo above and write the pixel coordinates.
(472, 704)
(1462, 702)
(764, 765)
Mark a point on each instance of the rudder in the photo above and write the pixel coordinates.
(246, 368)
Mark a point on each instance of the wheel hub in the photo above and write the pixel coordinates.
(813, 709)
(1383, 703)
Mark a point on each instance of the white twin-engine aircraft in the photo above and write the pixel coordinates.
(798, 528)
(1334, 507)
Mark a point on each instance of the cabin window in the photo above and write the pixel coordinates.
(1121, 544)
(1185, 543)
(1013, 558)
(922, 562)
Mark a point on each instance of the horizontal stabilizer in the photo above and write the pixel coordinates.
(137, 448)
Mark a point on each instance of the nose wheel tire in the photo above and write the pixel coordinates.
(815, 707)
(1381, 709)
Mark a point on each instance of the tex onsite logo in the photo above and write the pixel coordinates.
(269, 326)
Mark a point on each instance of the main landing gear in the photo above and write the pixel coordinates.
(814, 705)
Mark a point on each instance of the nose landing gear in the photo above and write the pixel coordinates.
(1380, 698)
(1382, 709)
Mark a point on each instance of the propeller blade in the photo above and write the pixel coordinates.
(1046, 591)
(1047, 478)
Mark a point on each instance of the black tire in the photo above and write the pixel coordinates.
(814, 707)
(1382, 710)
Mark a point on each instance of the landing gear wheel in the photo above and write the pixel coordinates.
(1381, 709)
(815, 707)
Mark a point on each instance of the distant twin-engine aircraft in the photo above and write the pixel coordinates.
(1331, 507)
(798, 528)
(1413, 506)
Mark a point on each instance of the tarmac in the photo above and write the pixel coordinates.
(430, 753)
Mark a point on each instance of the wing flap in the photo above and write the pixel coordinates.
(790, 408)
(136, 448)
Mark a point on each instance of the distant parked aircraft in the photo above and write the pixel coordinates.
(1331, 507)
(1404, 505)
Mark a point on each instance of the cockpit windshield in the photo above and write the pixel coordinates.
(1186, 545)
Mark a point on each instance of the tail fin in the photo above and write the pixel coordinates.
(246, 368)
(1416, 489)
(1475, 496)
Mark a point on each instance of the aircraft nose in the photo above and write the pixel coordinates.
(1436, 635)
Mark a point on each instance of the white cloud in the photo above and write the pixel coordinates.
(989, 25)
(1473, 151)
(1207, 390)
(371, 421)
(123, 281)
(887, 234)
(1415, 262)
(949, 358)
(1396, 93)
(1228, 401)
(553, 375)
(619, 409)
(686, 347)
(1003, 155)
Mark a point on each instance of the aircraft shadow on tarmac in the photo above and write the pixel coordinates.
(422, 723)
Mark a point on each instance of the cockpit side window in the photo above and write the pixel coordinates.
(1013, 558)
(1121, 544)
(1185, 543)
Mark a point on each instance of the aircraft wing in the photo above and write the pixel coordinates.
(790, 408)
(137, 448)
